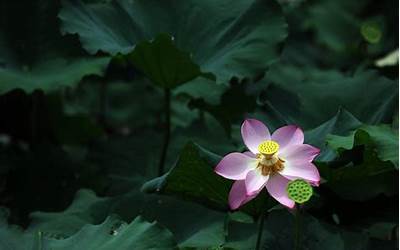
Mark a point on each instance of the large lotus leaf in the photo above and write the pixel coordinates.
(86, 208)
(382, 137)
(361, 181)
(13, 237)
(111, 234)
(307, 96)
(34, 55)
(375, 173)
(227, 38)
(51, 75)
(341, 124)
(206, 226)
(115, 234)
(163, 63)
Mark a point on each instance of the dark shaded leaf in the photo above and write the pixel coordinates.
(226, 38)
(163, 63)
(382, 137)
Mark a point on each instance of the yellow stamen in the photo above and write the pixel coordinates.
(268, 147)
(270, 166)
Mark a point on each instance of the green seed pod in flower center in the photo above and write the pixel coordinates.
(299, 190)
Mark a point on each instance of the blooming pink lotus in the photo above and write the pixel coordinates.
(272, 162)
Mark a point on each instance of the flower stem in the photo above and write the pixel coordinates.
(297, 236)
(260, 230)
(40, 240)
(167, 110)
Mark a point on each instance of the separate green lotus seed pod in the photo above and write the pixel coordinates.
(299, 190)
(371, 32)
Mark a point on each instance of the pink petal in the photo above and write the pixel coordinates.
(235, 166)
(238, 195)
(253, 133)
(301, 170)
(276, 187)
(299, 153)
(288, 135)
(255, 181)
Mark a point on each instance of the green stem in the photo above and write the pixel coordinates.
(167, 107)
(260, 230)
(40, 236)
(297, 236)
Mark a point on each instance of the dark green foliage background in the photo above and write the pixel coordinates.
(82, 120)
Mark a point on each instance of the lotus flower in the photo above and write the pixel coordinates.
(273, 161)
